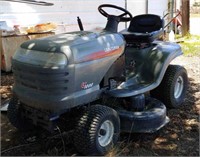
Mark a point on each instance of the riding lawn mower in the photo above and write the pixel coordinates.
(98, 83)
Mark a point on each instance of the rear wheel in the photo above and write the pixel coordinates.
(173, 87)
(97, 130)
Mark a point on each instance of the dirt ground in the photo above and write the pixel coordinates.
(180, 137)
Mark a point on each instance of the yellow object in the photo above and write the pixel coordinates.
(44, 27)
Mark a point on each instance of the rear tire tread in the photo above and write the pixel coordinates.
(164, 91)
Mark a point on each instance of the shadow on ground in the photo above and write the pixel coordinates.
(179, 137)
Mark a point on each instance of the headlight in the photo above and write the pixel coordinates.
(38, 58)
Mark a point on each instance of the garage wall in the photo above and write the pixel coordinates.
(63, 12)
(158, 7)
(137, 7)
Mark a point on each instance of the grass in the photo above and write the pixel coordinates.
(190, 44)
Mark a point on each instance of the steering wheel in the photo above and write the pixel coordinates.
(122, 16)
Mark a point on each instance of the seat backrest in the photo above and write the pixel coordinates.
(146, 23)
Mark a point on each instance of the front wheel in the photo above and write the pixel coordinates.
(173, 87)
(15, 117)
(97, 130)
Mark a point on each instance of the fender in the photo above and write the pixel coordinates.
(150, 65)
(168, 52)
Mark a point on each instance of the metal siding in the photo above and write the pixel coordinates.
(65, 12)
(158, 7)
(62, 12)
(136, 7)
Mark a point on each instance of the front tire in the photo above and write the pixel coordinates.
(97, 130)
(173, 87)
(15, 117)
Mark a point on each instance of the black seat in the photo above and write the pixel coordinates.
(144, 29)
